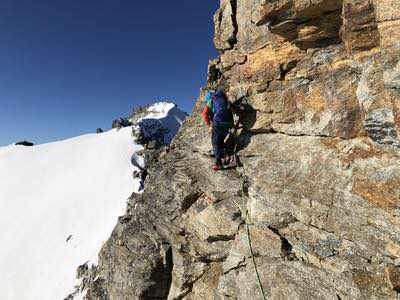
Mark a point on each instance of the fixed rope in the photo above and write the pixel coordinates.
(247, 222)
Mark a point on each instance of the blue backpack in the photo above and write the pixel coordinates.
(222, 114)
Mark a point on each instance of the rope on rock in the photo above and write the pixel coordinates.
(264, 297)
(246, 220)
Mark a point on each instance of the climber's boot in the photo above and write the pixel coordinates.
(218, 167)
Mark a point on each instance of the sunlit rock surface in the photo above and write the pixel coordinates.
(320, 175)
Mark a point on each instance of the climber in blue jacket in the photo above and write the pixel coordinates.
(217, 115)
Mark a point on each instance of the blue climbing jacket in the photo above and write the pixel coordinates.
(218, 110)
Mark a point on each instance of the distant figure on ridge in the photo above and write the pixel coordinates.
(217, 115)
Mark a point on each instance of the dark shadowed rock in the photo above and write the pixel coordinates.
(120, 123)
(24, 143)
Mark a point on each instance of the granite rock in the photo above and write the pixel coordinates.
(318, 187)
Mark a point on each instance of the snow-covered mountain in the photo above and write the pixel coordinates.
(60, 201)
(160, 121)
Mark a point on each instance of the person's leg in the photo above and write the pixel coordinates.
(216, 142)
(228, 147)
(219, 135)
(223, 134)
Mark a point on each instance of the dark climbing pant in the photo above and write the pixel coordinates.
(219, 133)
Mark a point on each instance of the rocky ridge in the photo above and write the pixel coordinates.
(151, 128)
(319, 182)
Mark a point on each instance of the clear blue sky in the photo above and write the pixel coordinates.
(70, 66)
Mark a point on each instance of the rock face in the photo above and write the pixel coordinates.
(319, 182)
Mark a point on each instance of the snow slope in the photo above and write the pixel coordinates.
(58, 204)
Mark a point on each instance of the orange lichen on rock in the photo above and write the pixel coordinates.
(384, 194)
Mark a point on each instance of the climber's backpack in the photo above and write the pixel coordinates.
(222, 114)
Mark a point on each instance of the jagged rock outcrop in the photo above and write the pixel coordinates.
(319, 184)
